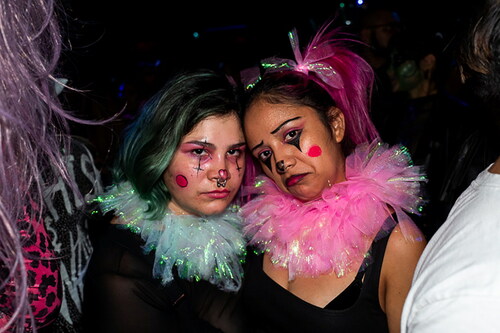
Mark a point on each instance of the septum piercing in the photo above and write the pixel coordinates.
(222, 180)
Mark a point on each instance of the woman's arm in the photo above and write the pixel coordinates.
(399, 264)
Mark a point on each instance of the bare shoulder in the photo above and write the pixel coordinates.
(400, 259)
(400, 248)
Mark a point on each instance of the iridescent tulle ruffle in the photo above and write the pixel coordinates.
(201, 248)
(334, 233)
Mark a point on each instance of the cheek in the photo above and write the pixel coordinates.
(314, 151)
(181, 180)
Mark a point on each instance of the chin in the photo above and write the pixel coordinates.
(214, 210)
(306, 196)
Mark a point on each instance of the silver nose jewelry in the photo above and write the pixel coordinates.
(222, 180)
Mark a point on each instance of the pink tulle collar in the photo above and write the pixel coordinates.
(334, 233)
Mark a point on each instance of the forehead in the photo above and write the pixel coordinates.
(267, 116)
(217, 128)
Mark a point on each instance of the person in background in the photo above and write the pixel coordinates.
(377, 28)
(171, 258)
(35, 145)
(456, 286)
(68, 222)
(429, 119)
(330, 245)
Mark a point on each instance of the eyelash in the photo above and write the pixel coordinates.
(234, 153)
(201, 152)
(295, 139)
(262, 158)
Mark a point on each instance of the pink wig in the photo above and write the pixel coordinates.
(326, 64)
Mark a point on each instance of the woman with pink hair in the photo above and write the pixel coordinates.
(334, 247)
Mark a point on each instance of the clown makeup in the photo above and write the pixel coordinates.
(181, 180)
(314, 151)
(290, 136)
(193, 177)
(297, 151)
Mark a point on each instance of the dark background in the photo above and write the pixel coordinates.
(109, 37)
(120, 52)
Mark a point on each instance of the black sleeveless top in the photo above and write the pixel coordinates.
(121, 294)
(356, 309)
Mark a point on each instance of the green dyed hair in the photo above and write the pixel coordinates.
(151, 141)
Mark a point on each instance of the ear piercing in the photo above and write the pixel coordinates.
(222, 180)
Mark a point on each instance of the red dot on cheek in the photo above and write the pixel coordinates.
(181, 181)
(314, 151)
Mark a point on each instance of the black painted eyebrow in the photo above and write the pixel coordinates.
(283, 124)
(257, 146)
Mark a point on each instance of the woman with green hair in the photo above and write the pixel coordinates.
(171, 259)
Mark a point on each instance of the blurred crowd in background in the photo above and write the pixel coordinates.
(122, 53)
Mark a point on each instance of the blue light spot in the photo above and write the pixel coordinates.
(121, 88)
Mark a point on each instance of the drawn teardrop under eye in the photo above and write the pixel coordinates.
(181, 180)
(267, 161)
(295, 141)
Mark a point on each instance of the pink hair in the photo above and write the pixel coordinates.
(327, 61)
(353, 99)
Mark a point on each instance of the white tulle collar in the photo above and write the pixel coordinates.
(208, 248)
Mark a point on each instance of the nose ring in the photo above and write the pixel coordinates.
(222, 179)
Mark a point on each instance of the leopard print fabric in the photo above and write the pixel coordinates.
(44, 282)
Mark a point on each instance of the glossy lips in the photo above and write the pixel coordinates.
(295, 179)
(217, 194)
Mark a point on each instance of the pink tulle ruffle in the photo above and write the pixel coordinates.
(334, 233)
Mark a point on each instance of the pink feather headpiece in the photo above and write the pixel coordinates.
(345, 75)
